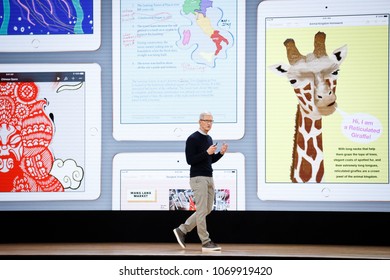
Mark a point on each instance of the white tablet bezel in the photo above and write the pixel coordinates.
(176, 131)
(307, 191)
(54, 42)
(92, 132)
(173, 161)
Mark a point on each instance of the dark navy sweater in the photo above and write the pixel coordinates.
(197, 156)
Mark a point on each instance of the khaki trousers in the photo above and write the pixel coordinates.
(203, 189)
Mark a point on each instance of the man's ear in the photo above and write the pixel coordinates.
(280, 69)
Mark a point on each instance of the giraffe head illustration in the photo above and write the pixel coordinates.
(313, 76)
(314, 79)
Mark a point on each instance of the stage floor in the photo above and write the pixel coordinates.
(173, 250)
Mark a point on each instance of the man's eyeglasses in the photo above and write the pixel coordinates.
(207, 121)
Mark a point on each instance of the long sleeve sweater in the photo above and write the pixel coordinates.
(197, 156)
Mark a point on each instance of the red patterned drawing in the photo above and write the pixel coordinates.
(25, 136)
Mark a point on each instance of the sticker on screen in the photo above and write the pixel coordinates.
(360, 127)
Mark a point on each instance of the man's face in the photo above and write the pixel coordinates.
(206, 123)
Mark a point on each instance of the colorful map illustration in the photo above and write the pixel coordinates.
(207, 33)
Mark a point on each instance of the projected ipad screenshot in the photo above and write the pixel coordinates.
(164, 48)
(169, 190)
(46, 17)
(312, 133)
(185, 57)
(354, 136)
(43, 151)
(50, 26)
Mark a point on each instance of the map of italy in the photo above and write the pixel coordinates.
(209, 40)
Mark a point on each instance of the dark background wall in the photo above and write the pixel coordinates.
(349, 228)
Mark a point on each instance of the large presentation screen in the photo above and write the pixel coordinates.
(298, 90)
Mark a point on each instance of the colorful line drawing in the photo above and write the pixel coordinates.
(33, 17)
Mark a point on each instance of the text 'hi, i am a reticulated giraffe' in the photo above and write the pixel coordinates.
(313, 78)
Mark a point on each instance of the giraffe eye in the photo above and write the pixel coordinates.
(336, 72)
(293, 81)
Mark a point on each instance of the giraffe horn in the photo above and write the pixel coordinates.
(293, 54)
(319, 45)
